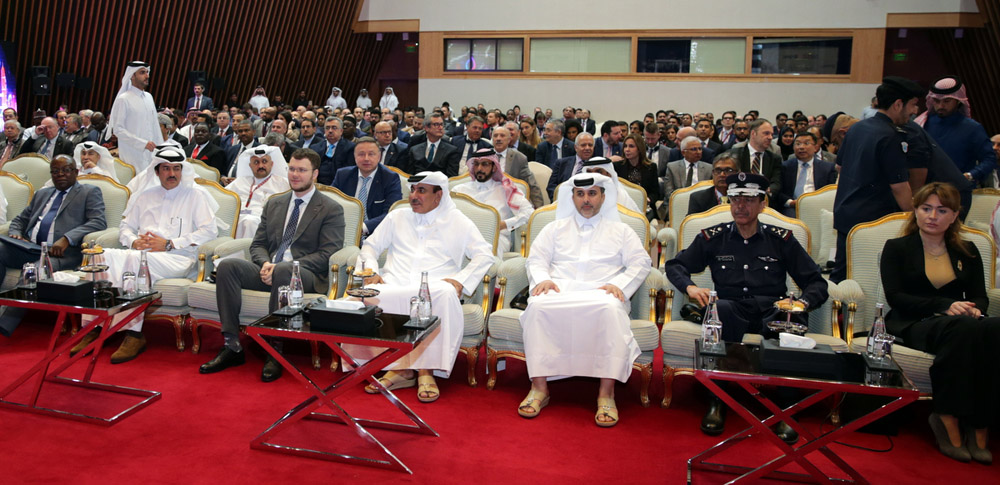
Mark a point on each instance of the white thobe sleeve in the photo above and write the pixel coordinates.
(635, 259)
(128, 230)
(377, 242)
(522, 214)
(120, 129)
(480, 256)
(540, 258)
(203, 218)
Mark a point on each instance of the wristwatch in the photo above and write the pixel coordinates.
(169, 246)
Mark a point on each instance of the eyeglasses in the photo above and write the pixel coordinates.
(381, 132)
(435, 125)
(64, 171)
(720, 171)
(694, 149)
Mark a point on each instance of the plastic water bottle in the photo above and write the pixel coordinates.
(425, 298)
(295, 285)
(143, 281)
(711, 325)
(44, 264)
(877, 334)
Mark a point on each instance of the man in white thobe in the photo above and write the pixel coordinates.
(363, 101)
(389, 100)
(603, 166)
(582, 270)
(260, 173)
(133, 118)
(490, 186)
(432, 236)
(336, 100)
(168, 221)
(259, 99)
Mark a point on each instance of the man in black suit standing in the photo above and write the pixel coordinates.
(567, 167)
(704, 199)
(804, 172)
(756, 158)
(388, 151)
(49, 144)
(299, 225)
(201, 149)
(435, 154)
(60, 216)
(371, 182)
(555, 145)
(246, 141)
(199, 101)
(335, 152)
(470, 142)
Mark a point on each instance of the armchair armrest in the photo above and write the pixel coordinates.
(5, 229)
(824, 320)
(486, 289)
(850, 293)
(228, 246)
(107, 238)
(512, 276)
(341, 262)
(994, 295)
(667, 238)
(644, 300)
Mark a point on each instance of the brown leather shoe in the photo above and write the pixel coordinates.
(87, 339)
(133, 345)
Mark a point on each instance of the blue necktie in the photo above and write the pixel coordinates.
(555, 154)
(800, 184)
(329, 150)
(363, 196)
(45, 148)
(46, 224)
(430, 155)
(286, 238)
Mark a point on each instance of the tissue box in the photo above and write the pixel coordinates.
(820, 362)
(352, 322)
(79, 292)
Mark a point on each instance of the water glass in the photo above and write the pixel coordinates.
(424, 310)
(29, 276)
(128, 285)
(711, 335)
(414, 309)
(284, 292)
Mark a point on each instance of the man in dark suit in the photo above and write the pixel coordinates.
(335, 152)
(247, 140)
(316, 225)
(435, 154)
(12, 140)
(705, 199)
(388, 151)
(609, 144)
(707, 154)
(586, 124)
(756, 158)
(307, 135)
(555, 145)
(60, 216)
(49, 143)
(567, 167)
(201, 149)
(98, 132)
(199, 101)
(369, 181)
(804, 172)
(471, 141)
(741, 132)
(224, 132)
(704, 130)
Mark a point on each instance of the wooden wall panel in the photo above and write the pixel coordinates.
(284, 46)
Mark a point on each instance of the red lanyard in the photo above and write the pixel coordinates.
(252, 189)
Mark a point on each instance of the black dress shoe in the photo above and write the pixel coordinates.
(227, 358)
(272, 370)
(691, 313)
(715, 419)
(786, 433)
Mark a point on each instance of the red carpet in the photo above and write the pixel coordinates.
(200, 431)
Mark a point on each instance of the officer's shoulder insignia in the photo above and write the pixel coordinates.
(714, 231)
(778, 231)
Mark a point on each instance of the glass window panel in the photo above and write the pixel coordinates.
(826, 55)
(484, 55)
(663, 55)
(456, 55)
(580, 55)
(703, 56)
(510, 54)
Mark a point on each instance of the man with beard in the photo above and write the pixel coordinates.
(260, 173)
(471, 142)
(948, 120)
(491, 187)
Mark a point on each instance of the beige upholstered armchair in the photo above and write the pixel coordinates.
(204, 171)
(124, 171)
(18, 193)
(677, 210)
(863, 289)
(678, 336)
(31, 167)
(504, 335)
(815, 210)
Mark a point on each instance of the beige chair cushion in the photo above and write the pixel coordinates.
(827, 237)
(173, 291)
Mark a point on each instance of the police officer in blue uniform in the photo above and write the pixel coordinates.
(874, 174)
(749, 261)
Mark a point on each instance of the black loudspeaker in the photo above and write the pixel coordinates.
(41, 81)
(196, 76)
(218, 84)
(66, 80)
(84, 83)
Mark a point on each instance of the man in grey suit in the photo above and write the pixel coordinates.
(308, 232)
(688, 171)
(515, 164)
(60, 216)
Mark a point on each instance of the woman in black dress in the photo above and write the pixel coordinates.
(638, 169)
(933, 280)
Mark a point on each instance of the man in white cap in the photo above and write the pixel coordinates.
(169, 220)
(582, 270)
(336, 100)
(604, 167)
(133, 118)
(363, 101)
(260, 173)
(490, 186)
(431, 236)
